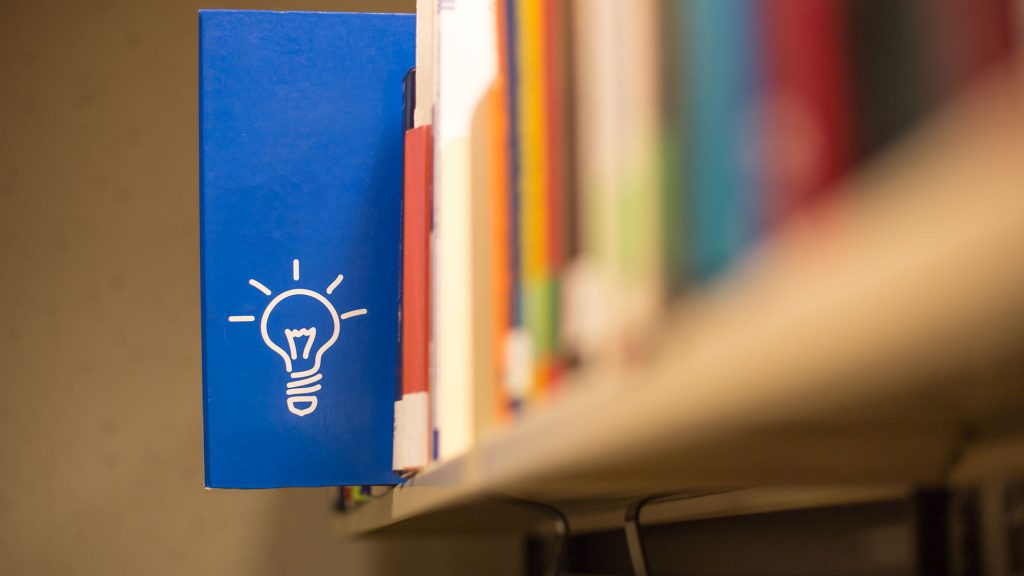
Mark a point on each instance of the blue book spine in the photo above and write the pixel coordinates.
(722, 202)
(514, 240)
(300, 206)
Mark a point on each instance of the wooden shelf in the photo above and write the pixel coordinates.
(873, 343)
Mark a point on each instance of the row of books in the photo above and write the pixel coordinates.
(569, 171)
(572, 168)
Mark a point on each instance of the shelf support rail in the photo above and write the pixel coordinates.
(559, 521)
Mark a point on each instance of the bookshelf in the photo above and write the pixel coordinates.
(871, 344)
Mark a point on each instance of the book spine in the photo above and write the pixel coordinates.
(640, 252)
(591, 307)
(501, 183)
(893, 81)
(675, 89)
(722, 202)
(465, 71)
(412, 420)
(554, 117)
(534, 264)
(425, 62)
(805, 140)
(516, 371)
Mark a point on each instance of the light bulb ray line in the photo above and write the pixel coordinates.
(330, 289)
(353, 313)
(295, 269)
(242, 318)
(259, 286)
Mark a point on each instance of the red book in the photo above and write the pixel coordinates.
(806, 143)
(967, 37)
(416, 259)
(412, 413)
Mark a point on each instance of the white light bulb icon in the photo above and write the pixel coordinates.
(305, 382)
(304, 309)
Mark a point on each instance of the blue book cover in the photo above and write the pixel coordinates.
(300, 207)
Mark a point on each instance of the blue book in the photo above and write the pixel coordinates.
(722, 201)
(300, 207)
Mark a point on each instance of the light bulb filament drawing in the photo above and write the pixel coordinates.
(291, 335)
(302, 360)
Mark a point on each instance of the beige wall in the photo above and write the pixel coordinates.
(100, 421)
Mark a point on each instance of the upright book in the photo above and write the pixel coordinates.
(301, 223)
(413, 428)
(466, 66)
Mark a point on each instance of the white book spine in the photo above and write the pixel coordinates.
(466, 66)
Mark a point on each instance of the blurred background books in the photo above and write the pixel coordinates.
(603, 167)
(718, 243)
